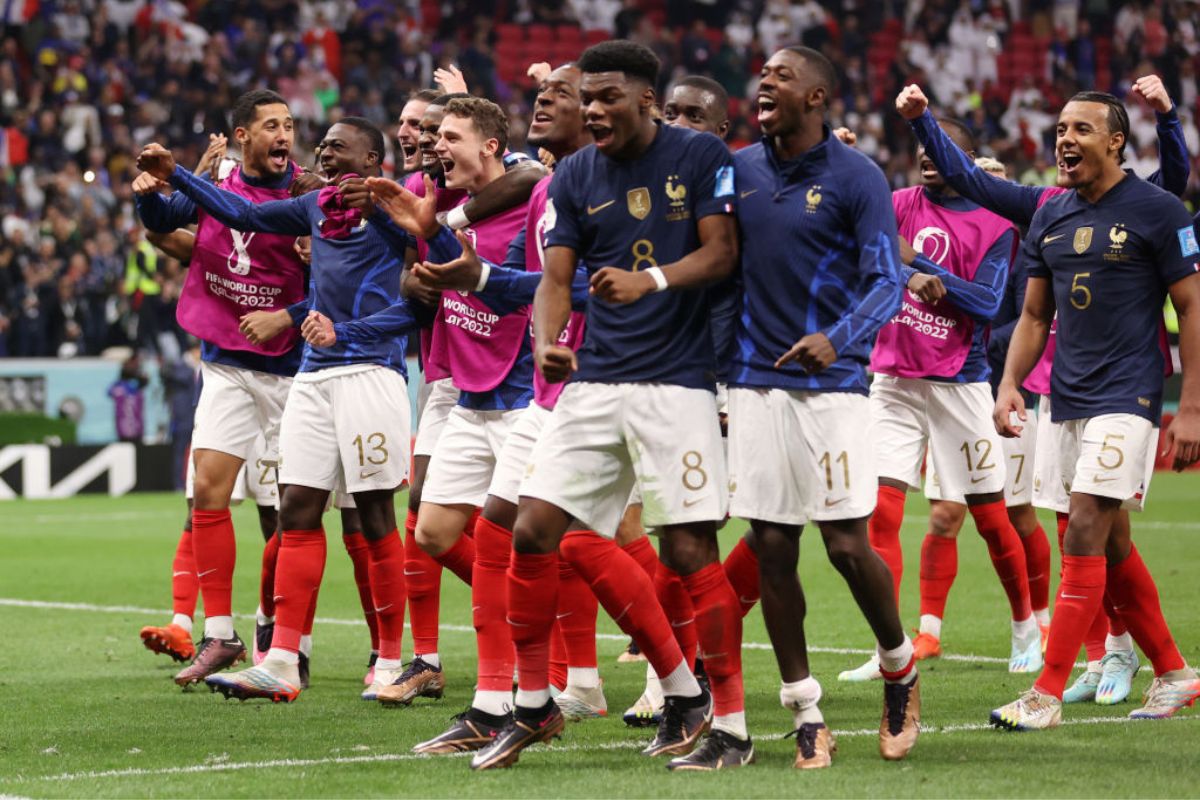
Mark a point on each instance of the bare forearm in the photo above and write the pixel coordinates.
(551, 310)
(710, 263)
(1189, 357)
(1028, 342)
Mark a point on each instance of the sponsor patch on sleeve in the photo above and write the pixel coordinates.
(1187, 241)
(724, 183)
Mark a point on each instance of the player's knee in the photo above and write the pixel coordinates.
(531, 539)
(946, 519)
(846, 551)
(1090, 525)
(268, 521)
(1024, 520)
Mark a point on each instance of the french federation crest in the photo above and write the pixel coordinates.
(638, 202)
(1083, 239)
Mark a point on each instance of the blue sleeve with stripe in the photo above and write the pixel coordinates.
(274, 216)
(979, 298)
(1010, 200)
(1174, 164)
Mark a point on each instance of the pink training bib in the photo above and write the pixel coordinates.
(233, 273)
(933, 339)
(546, 394)
(434, 368)
(479, 345)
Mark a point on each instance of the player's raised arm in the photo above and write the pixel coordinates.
(1174, 165)
(276, 216)
(1006, 198)
(551, 311)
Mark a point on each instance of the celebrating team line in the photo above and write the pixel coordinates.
(641, 331)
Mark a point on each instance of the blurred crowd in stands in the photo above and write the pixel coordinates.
(85, 83)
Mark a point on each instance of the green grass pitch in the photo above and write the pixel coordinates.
(85, 711)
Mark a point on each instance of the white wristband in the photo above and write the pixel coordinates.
(660, 280)
(485, 272)
(456, 218)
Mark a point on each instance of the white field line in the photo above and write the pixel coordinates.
(239, 766)
(13, 602)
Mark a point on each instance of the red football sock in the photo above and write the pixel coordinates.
(423, 584)
(532, 601)
(1062, 520)
(1008, 557)
(215, 550)
(741, 568)
(1037, 568)
(356, 547)
(884, 532)
(677, 605)
(489, 598)
(460, 559)
(1093, 640)
(719, 629)
(310, 616)
(385, 567)
(939, 567)
(1078, 601)
(628, 596)
(1135, 597)
(558, 657)
(266, 580)
(642, 551)
(185, 586)
(577, 609)
(297, 577)
(1116, 625)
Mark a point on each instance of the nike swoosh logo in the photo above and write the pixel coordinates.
(747, 193)
(515, 624)
(681, 624)
(1076, 596)
(835, 502)
(363, 474)
(1050, 239)
(690, 503)
(596, 209)
(1102, 479)
(385, 608)
(1018, 490)
(206, 572)
(977, 480)
(415, 572)
(563, 616)
(749, 601)
(173, 574)
(277, 598)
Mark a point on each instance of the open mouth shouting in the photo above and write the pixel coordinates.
(541, 121)
(601, 134)
(1069, 161)
(278, 156)
(767, 109)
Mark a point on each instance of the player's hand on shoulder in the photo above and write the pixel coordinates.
(911, 102)
(306, 182)
(262, 326)
(555, 362)
(1183, 439)
(814, 353)
(417, 215)
(461, 274)
(927, 288)
(356, 194)
(1009, 404)
(846, 136)
(156, 160)
(620, 286)
(317, 330)
(145, 183)
(1151, 89)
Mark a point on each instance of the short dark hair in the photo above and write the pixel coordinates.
(1118, 117)
(706, 84)
(424, 95)
(443, 99)
(487, 117)
(826, 74)
(620, 55)
(968, 136)
(245, 108)
(369, 130)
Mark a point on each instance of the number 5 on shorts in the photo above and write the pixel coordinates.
(1107, 447)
